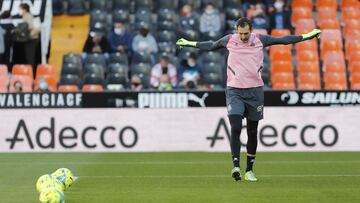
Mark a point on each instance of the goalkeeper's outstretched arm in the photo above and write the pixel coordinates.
(206, 45)
(291, 39)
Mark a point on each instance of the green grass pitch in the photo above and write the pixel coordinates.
(185, 177)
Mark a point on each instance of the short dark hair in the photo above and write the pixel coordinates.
(242, 22)
(25, 6)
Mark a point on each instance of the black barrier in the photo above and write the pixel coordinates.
(179, 99)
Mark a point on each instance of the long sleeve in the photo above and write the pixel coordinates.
(210, 45)
(268, 40)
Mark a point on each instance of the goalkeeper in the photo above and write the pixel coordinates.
(244, 92)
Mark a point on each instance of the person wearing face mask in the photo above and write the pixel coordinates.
(280, 16)
(144, 41)
(259, 19)
(164, 67)
(244, 91)
(120, 40)
(210, 22)
(188, 22)
(190, 73)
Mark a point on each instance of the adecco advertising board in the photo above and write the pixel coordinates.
(190, 129)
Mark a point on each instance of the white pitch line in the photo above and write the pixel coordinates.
(224, 176)
(173, 162)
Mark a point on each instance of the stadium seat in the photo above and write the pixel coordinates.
(92, 88)
(213, 79)
(281, 66)
(46, 69)
(99, 5)
(334, 78)
(141, 69)
(140, 4)
(72, 58)
(355, 77)
(166, 4)
(354, 67)
(167, 47)
(121, 15)
(212, 67)
(334, 57)
(4, 83)
(326, 3)
(329, 24)
(118, 68)
(280, 55)
(121, 4)
(329, 46)
(355, 86)
(167, 36)
(310, 45)
(283, 86)
(95, 58)
(302, 3)
(94, 79)
(335, 66)
(307, 55)
(76, 7)
(69, 79)
(96, 69)
(22, 69)
(309, 86)
(330, 35)
(308, 67)
(300, 13)
(58, 7)
(166, 14)
(116, 81)
(304, 26)
(354, 56)
(25, 80)
(309, 77)
(282, 77)
(352, 25)
(3, 70)
(336, 86)
(233, 13)
(166, 25)
(326, 13)
(280, 32)
(143, 15)
(349, 13)
(68, 88)
(352, 48)
(210, 56)
(69, 68)
(349, 3)
(140, 58)
(119, 58)
(51, 82)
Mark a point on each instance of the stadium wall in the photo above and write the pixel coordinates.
(163, 130)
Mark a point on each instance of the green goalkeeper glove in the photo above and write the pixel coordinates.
(185, 43)
(312, 34)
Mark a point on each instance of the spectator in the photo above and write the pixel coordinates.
(31, 46)
(136, 83)
(210, 22)
(96, 43)
(43, 85)
(165, 83)
(7, 25)
(280, 17)
(189, 22)
(164, 67)
(259, 19)
(189, 73)
(144, 42)
(18, 87)
(120, 40)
